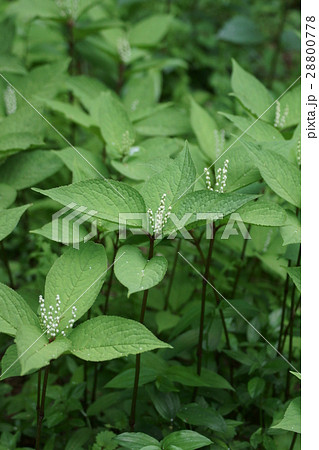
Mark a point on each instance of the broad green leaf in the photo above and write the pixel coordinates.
(20, 131)
(205, 129)
(185, 439)
(61, 230)
(29, 168)
(86, 89)
(141, 170)
(11, 64)
(290, 107)
(206, 202)
(169, 121)
(77, 277)
(256, 386)
(141, 92)
(135, 272)
(150, 31)
(116, 128)
(291, 231)
(72, 112)
(257, 130)
(14, 311)
(9, 219)
(187, 377)
(82, 163)
(135, 441)
(177, 178)
(295, 275)
(252, 93)
(195, 414)
(263, 213)
(35, 351)
(165, 320)
(241, 30)
(107, 197)
(166, 403)
(7, 195)
(281, 176)
(10, 364)
(109, 337)
(292, 417)
(125, 379)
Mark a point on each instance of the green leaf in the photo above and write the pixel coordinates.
(14, 311)
(290, 104)
(195, 414)
(252, 93)
(135, 441)
(292, 417)
(72, 112)
(20, 131)
(206, 202)
(116, 128)
(188, 377)
(125, 379)
(205, 130)
(150, 31)
(295, 275)
(29, 168)
(280, 175)
(166, 403)
(256, 386)
(240, 30)
(107, 197)
(62, 231)
(7, 195)
(263, 213)
(185, 439)
(169, 121)
(35, 351)
(291, 231)
(135, 272)
(257, 130)
(141, 92)
(83, 167)
(173, 181)
(77, 277)
(109, 337)
(10, 367)
(9, 219)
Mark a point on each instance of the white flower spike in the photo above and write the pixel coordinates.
(161, 217)
(221, 178)
(50, 320)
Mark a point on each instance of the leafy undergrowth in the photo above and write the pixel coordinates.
(149, 225)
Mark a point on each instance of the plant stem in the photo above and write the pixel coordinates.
(202, 313)
(294, 438)
(38, 395)
(197, 245)
(41, 411)
(138, 356)
(109, 285)
(6, 264)
(242, 257)
(291, 321)
(171, 279)
(288, 326)
(283, 313)
(277, 42)
(93, 396)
